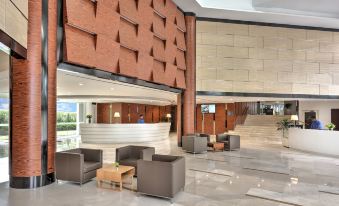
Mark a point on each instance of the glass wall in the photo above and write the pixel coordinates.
(4, 112)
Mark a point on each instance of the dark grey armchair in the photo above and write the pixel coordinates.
(77, 165)
(231, 142)
(129, 155)
(164, 176)
(194, 144)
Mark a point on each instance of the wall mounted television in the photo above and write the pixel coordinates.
(208, 108)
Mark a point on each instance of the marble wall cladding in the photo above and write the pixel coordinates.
(262, 59)
(13, 19)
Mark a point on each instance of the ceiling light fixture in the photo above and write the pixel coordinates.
(112, 88)
(81, 84)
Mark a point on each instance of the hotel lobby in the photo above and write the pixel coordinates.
(169, 102)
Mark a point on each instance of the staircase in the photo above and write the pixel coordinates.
(260, 129)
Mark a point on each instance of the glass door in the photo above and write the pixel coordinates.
(4, 112)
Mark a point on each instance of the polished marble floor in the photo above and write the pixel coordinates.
(265, 175)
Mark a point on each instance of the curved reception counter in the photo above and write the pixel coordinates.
(317, 141)
(123, 133)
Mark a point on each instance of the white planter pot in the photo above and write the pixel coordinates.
(285, 142)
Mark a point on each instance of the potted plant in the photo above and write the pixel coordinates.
(89, 117)
(116, 165)
(330, 126)
(283, 125)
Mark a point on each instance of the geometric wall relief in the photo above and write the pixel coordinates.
(144, 39)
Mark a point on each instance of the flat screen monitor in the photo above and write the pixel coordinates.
(208, 108)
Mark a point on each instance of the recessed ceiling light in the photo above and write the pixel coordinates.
(112, 88)
(81, 84)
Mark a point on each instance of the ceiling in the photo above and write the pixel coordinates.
(83, 88)
(314, 13)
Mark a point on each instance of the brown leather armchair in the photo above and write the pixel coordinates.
(78, 165)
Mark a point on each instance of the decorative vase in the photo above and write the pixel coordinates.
(89, 120)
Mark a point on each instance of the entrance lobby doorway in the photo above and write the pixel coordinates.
(4, 112)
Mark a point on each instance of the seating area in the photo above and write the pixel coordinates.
(157, 175)
(199, 143)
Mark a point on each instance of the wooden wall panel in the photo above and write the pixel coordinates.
(133, 25)
(199, 119)
(208, 123)
(220, 118)
(149, 114)
(103, 113)
(133, 112)
(230, 117)
(156, 114)
(125, 113)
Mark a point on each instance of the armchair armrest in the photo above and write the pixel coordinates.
(69, 166)
(93, 155)
(122, 153)
(146, 154)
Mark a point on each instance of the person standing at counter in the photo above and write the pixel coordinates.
(141, 119)
(316, 124)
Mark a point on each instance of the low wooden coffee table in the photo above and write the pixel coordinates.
(217, 146)
(109, 173)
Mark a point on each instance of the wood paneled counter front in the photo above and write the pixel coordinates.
(123, 133)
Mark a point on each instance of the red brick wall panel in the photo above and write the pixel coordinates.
(80, 47)
(180, 20)
(159, 26)
(132, 24)
(180, 40)
(170, 11)
(180, 59)
(145, 14)
(145, 40)
(84, 17)
(107, 19)
(170, 74)
(159, 6)
(107, 57)
(128, 34)
(170, 53)
(129, 9)
(128, 62)
(159, 49)
(145, 65)
(180, 79)
(159, 72)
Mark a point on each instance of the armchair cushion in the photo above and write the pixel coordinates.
(89, 166)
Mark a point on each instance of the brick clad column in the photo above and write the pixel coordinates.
(189, 101)
(33, 101)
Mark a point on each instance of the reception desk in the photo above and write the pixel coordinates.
(123, 133)
(317, 141)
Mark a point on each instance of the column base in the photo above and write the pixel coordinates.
(31, 182)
